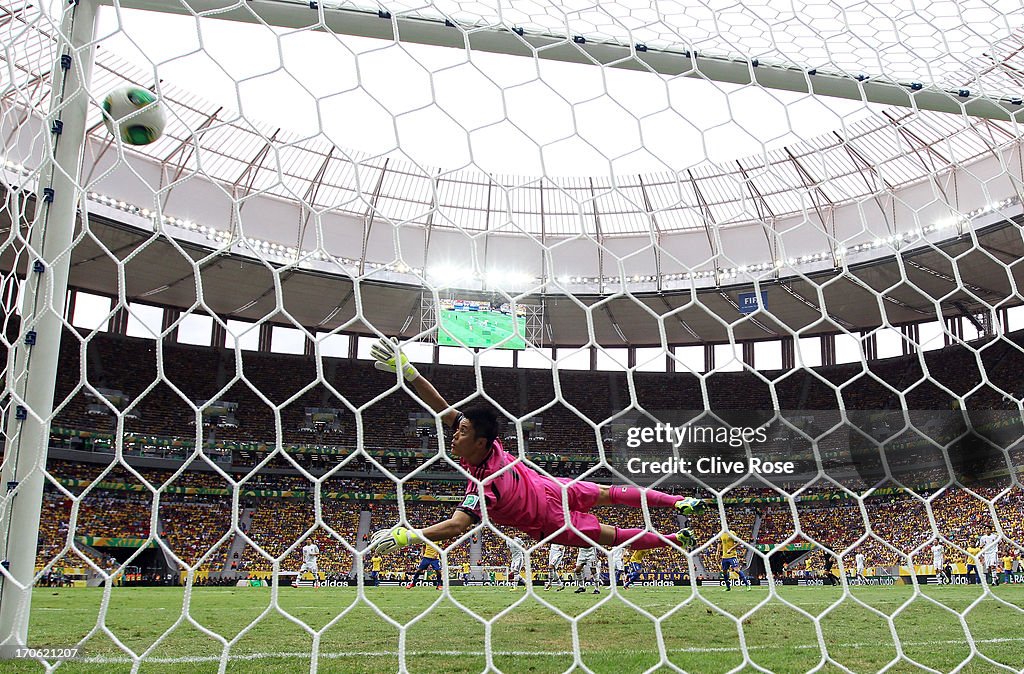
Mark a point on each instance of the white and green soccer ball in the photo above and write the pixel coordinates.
(134, 114)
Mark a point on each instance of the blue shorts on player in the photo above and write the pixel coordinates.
(635, 569)
(729, 563)
(428, 563)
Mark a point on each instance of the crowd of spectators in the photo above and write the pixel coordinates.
(892, 529)
(885, 527)
(194, 526)
(279, 524)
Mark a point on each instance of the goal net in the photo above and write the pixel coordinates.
(766, 258)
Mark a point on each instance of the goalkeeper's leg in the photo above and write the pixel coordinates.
(590, 529)
(583, 496)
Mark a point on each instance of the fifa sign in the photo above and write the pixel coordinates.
(748, 302)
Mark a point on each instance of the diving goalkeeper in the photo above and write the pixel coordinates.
(519, 496)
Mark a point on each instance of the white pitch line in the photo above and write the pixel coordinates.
(189, 659)
(93, 609)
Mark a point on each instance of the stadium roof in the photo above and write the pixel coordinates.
(863, 190)
(884, 153)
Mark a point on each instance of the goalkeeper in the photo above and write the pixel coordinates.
(519, 496)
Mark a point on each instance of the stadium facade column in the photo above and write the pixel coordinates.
(788, 353)
(119, 320)
(166, 321)
(266, 337)
(218, 335)
(31, 381)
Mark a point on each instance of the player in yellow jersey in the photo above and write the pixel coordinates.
(431, 560)
(465, 573)
(1007, 568)
(636, 567)
(729, 546)
(375, 562)
(972, 565)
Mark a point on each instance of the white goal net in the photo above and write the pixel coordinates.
(765, 257)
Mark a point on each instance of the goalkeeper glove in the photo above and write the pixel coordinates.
(385, 351)
(389, 540)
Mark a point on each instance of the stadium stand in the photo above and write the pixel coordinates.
(191, 524)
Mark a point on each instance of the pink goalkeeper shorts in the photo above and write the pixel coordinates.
(581, 497)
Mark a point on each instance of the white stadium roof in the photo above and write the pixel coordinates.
(890, 181)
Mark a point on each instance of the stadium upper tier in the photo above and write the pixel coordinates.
(572, 414)
(898, 182)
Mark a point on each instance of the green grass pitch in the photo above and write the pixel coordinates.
(455, 329)
(701, 633)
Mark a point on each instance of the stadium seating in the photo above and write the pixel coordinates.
(191, 523)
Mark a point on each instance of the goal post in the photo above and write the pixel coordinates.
(30, 384)
(440, 30)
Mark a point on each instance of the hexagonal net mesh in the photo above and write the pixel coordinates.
(718, 300)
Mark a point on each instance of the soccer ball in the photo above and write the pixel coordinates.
(134, 114)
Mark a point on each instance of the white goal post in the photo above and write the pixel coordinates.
(507, 39)
(30, 383)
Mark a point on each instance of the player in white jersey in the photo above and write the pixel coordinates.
(939, 562)
(586, 558)
(618, 571)
(989, 558)
(310, 551)
(861, 563)
(517, 556)
(555, 556)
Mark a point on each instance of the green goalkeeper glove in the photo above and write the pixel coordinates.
(385, 351)
(389, 540)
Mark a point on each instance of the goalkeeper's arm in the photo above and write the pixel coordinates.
(456, 525)
(389, 540)
(389, 359)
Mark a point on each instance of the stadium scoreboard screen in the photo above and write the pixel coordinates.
(479, 324)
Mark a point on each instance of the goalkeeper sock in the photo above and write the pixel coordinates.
(646, 540)
(631, 496)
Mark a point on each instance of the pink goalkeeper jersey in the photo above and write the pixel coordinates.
(519, 497)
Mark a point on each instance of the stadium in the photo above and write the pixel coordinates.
(733, 290)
